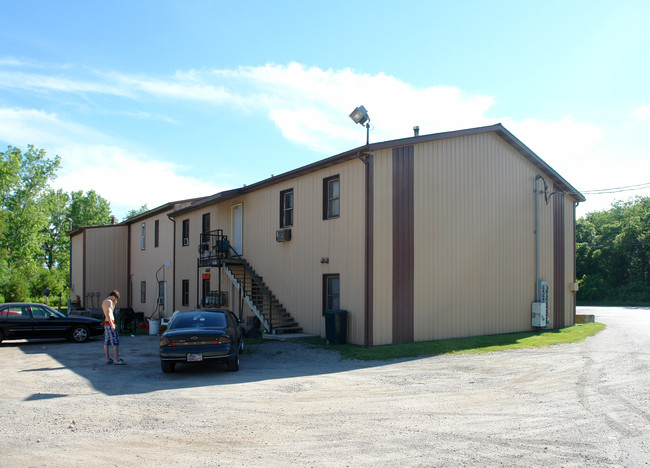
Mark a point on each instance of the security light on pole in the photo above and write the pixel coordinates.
(360, 116)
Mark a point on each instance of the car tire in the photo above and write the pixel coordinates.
(80, 334)
(241, 346)
(233, 363)
(2, 336)
(167, 367)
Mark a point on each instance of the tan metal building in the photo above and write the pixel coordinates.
(423, 238)
(135, 257)
(436, 236)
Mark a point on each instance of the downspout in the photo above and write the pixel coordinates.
(537, 291)
(129, 276)
(171, 218)
(367, 160)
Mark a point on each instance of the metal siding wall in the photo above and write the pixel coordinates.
(145, 263)
(186, 258)
(292, 270)
(77, 255)
(383, 248)
(474, 240)
(106, 259)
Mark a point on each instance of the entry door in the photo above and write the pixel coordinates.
(205, 290)
(238, 228)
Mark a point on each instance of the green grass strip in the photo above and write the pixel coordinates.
(471, 345)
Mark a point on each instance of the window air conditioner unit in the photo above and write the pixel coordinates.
(283, 235)
(186, 241)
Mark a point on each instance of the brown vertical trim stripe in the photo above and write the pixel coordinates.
(403, 244)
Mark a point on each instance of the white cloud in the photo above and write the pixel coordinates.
(90, 162)
(642, 113)
(128, 180)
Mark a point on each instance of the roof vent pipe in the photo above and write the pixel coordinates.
(416, 131)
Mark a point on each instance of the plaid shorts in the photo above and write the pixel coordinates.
(111, 337)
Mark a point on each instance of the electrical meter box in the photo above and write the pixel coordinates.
(539, 315)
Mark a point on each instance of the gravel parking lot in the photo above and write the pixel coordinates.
(586, 404)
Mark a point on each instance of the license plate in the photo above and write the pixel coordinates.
(195, 357)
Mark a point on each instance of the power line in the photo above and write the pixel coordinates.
(627, 188)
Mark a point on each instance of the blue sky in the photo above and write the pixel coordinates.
(153, 101)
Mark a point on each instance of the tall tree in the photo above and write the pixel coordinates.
(24, 178)
(613, 253)
(88, 209)
(56, 250)
(134, 213)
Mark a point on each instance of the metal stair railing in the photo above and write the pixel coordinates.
(214, 249)
(244, 284)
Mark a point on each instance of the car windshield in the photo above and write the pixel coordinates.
(199, 320)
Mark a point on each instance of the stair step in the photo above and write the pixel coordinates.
(287, 330)
(268, 306)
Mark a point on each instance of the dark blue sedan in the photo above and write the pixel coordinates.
(202, 335)
(23, 320)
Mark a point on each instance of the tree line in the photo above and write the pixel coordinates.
(613, 254)
(34, 222)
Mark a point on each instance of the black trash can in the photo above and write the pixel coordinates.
(336, 326)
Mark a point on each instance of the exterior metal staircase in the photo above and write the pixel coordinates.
(266, 306)
(215, 250)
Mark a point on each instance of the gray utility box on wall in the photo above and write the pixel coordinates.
(539, 315)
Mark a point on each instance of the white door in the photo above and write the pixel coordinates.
(238, 228)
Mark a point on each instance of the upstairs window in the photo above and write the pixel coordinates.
(205, 226)
(331, 197)
(186, 232)
(286, 208)
(143, 236)
(156, 233)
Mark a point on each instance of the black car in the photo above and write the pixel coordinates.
(21, 320)
(202, 335)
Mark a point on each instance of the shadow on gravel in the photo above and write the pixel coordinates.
(142, 374)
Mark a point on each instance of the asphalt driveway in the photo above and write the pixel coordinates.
(586, 404)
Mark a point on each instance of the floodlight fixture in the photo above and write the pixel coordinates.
(360, 116)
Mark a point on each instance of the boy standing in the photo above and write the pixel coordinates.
(111, 337)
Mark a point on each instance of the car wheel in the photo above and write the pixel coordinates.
(167, 367)
(241, 346)
(79, 334)
(233, 363)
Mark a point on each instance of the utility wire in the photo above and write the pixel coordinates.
(627, 188)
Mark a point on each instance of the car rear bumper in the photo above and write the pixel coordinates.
(179, 354)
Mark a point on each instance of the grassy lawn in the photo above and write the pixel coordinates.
(471, 345)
